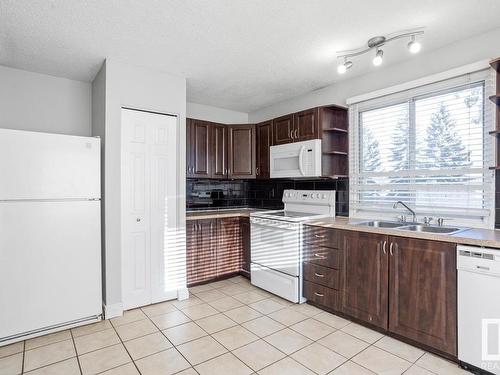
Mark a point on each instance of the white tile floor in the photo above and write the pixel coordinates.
(227, 327)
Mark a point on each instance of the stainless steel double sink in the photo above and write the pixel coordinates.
(411, 227)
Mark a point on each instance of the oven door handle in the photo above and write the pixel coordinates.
(274, 226)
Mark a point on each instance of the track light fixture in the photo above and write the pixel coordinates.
(377, 43)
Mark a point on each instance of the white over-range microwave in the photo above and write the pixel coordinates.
(299, 159)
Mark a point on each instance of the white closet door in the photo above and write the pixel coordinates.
(149, 177)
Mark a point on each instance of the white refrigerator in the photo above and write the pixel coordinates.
(50, 233)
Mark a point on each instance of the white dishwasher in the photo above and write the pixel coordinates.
(479, 307)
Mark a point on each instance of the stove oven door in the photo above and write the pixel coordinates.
(276, 245)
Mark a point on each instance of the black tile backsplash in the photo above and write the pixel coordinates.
(208, 194)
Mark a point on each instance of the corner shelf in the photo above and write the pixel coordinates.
(495, 99)
(495, 64)
(338, 130)
(342, 153)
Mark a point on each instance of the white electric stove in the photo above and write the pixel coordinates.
(276, 238)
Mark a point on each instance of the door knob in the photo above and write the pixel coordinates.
(138, 219)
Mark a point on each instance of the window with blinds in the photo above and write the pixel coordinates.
(429, 148)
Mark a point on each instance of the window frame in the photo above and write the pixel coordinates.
(482, 78)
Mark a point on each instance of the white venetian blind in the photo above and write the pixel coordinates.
(427, 147)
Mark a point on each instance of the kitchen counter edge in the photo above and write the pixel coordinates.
(473, 236)
(218, 214)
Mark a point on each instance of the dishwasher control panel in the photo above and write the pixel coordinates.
(478, 259)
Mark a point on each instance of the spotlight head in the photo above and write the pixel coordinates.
(342, 68)
(377, 60)
(414, 46)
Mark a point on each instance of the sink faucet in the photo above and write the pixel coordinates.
(414, 216)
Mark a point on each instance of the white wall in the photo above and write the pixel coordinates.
(142, 89)
(99, 129)
(215, 114)
(484, 46)
(39, 102)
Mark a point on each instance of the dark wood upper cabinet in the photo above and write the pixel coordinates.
(241, 151)
(283, 130)
(306, 125)
(219, 151)
(264, 134)
(423, 292)
(365, 278)
(200, 139)
(213, 150)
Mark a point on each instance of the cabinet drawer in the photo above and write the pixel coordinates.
(322, 236)
(322, 295)
(322, 275)
(322, 256)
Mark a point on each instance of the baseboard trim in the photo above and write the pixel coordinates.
(182, 293)
(113, 311)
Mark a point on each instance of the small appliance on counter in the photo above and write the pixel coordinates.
(276, 238)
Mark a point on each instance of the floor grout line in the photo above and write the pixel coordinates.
(306, 316)
(123, 344)
(76, 352)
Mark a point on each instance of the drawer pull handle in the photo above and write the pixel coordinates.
(318, 274)
(319, 294)
(319, 256)
(319, 236)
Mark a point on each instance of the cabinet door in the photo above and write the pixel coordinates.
(191, 245)
(206, 245)
(245, 244)
(365, 277)
(189, 148)
(229, 249)
(201, 162)
(219, 151)
(306, 125)
(241, 151)
(283, 130)
(264, 142)
(423, 290)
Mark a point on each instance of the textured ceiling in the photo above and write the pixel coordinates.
(235, 54)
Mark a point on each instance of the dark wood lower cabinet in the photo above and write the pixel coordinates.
(201, 250)
(423, 292)
(229, 250)
(217, 248)
(322, 295)
(365, 278)
(405, 286)
(245, 244)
